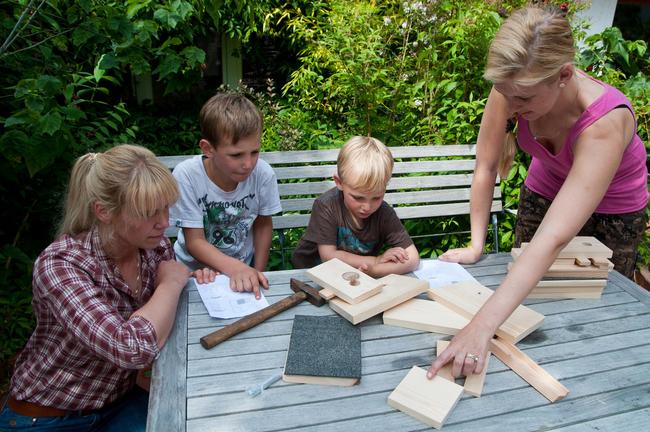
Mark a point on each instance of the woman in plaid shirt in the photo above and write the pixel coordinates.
(105, 296)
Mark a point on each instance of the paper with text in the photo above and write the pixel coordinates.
(441, 273)
(222, 302)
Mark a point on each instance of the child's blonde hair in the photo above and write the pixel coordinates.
(531, 47)
(229, 117)
(125, 178)
(365, 163)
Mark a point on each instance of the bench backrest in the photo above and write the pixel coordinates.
(427, 181)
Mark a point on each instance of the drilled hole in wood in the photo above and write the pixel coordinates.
(352, 277)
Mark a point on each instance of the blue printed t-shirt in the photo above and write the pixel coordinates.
(226, 217)
(331, 224)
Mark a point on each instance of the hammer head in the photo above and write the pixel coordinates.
(312, 293)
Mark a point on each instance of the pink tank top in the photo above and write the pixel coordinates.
(628, 191)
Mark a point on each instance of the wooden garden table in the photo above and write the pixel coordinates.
(599, 349)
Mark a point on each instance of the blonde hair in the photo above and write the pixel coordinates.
(125, 179)
(530, 47)
(365, 163)
(229, 117)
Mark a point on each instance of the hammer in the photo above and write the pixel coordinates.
(302, 291)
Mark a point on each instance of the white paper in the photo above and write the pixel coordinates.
(441, 273)
(222, 302)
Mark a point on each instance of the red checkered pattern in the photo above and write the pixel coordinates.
(86, 347)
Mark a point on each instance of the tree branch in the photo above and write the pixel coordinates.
(20, 27)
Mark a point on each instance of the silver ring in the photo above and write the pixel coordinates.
(472, 356)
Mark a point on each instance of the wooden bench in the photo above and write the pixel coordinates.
(427, 182)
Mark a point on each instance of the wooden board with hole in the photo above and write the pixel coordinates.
(583, 246)
(466, 298)
(425, 315)
(396, 289)
(330, 275)
(429, 401)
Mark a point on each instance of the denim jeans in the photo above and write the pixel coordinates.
(129, 414)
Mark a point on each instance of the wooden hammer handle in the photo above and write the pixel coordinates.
(210, 340)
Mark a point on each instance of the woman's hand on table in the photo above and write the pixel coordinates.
(466, 255)
(467, 352)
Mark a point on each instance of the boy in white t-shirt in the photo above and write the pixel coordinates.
(227, 195)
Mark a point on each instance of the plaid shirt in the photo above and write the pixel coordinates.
(85, 349)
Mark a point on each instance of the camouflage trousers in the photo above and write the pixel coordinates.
(622, 233)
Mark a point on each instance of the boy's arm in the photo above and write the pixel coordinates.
(410, 261)
(242, 277)
(327, 252)
(374, 265)
(262, 237)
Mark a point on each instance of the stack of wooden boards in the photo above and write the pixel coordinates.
(580, 270)
(356, 296)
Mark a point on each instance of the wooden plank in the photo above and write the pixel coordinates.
(327, 293)
(466, 298)
(394, 198)
(568, 288)
(566, 267)
(167, 397)
(530, 371)
(475, 382)
(331, 275)
(327, 171)
(395, 183)
(396, 289)
(429, 401)
(426, 315)
(583, 246)
(445, 371)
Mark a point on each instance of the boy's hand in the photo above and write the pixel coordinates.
(396, 255)
(204, 275)
(247, 279)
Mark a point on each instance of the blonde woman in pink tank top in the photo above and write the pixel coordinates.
(588, 172)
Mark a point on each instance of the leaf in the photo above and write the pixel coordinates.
(107, 61)
(50, 123)
(80, 36)
(98, 73)
(48, 84)
(72, 114)
(21, 117)
(68, 92)
(135, 6)
(170, 64)
(34, 103)
(193, 54)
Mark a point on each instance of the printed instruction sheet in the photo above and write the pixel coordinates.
(441, 273)
(222, 302)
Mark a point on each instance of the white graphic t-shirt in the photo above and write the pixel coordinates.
(226, 217)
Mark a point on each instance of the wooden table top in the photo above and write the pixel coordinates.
(598, 348)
